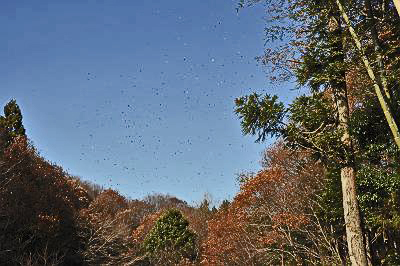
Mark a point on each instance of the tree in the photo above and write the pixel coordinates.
(334, 143)
(164, 201)
(12, 120)
(38, 206)
(397, 4)
(170, 240)
(383, 102)
(315, 50)
(272, 220)
(105, 230)
(150, 213)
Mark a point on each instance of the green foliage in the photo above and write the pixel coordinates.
(12, 119)
(313, 125)
(171, 235)
(325, 60)
(261, 115)
(311, 122)
(331, 211)
(312, 111)
(372, 133)
(379, 197)
(378, 194)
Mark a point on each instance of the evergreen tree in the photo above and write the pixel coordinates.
(314, 48)
(11, 122)
(170, 240)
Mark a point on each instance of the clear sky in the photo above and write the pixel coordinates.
(137, 95)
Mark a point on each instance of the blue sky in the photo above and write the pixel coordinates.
(137, 95)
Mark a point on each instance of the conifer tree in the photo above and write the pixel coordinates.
(11, 122)
(170, 239)
(316, 49)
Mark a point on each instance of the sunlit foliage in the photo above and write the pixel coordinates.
(38, 205)
(272, 219)
(170, 240)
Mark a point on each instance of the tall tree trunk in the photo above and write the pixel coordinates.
(355, 240)
(354, 234)
(397, 4)
(378, 91)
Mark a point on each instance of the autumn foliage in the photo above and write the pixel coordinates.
(48, 218)
(38, 205)
(271, 219)
(288, 213)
